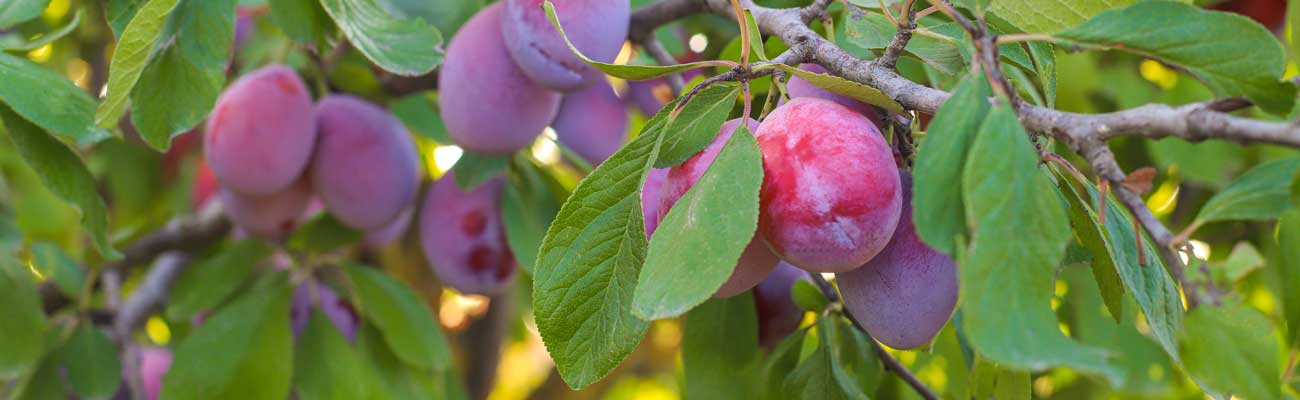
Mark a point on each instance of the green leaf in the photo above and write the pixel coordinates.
(1230, 348)
(704, 234)
(821, 375)
(406, 323)
(1007, 281)
(190, 57)
(245, 351)
(44, 383)
(323, 234)
(1288, 264)
(940, 216)
(1043, 16)
(207, 284)
(1133, 353)
(58, 267)
(394, 379)
(402, 46)
(808, 297)
(858, 355)
(1096, 240)
(527, 209)
(1045, 67)
(45, 38)
(119, 13)
(720, 349)
(631, 72)
(1293, 30)
(14, 11)
(90, 359)
(778, 365)
(755, 37)
(1229, 53)
(62, 172)
(1256, 195)
(302, 20)
(129, 58)
(22, 322)
(48, 100)
(589, 261)
(474, 169)
(873, 31)
(838, 85)
(1243, 260)
(1151, 284)
(419, 112)
(326, 366)
(696, 124)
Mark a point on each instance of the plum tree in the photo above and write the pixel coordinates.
(592, 121)
(463, 237)
(260, 135)
(756, 261)
(596, 27)
(906, 293)
(337, 309)
(778, 315)
(154, 363)
(654, 184)
(486, 101)
(801, 88)
(830, 199)
(365, 168)
(269, 217)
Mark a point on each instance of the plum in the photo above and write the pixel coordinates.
(757, 260)
(830, 199)
(269, 217)
(487, 103)
(205, 185)
(337, 309)
(260, 135)
(778, 315)
(654, 183)
(386, 234)
(592, 122)
(154, 363)
(800, 88)
(906, 293)
(596, 27)
(463, 237)
(365, 168)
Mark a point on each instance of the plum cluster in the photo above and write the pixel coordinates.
(273, 152)
(833, 201)
(509, 74)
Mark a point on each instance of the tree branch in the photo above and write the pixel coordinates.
(1085, 134)
(185, 234)
(889, 59)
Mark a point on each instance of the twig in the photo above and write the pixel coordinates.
(889, 59)
(890, 362)
(1024, 37)
(146, 298)
(151, 293)
(661, 55)
(185, 234)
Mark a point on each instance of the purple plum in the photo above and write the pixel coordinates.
(463, 236)
(487, 103)
(339, 311)
(592, 122)
(366, 168)
(906, 293)
(269, 217)
(260, 135)
(778, 315)
(597, 28)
